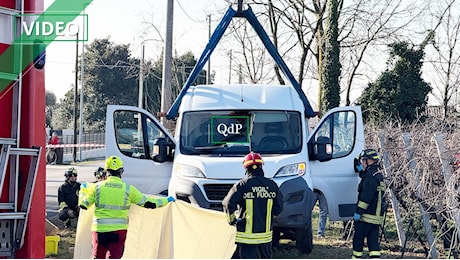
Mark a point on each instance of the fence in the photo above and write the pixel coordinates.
(90, 141)
(92, 146)
(423, 182)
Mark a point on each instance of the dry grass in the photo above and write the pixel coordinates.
(67, 240)
(333, 246)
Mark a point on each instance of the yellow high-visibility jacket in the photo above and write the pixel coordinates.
(112, 199)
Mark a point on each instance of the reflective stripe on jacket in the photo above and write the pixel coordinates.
(112, 199)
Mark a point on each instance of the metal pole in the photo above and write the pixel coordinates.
(141, 78)
(208, 75)
(240, 74)
(167, 64)
(141, 91)
(75, 105)
(81, 91)
(230, 67)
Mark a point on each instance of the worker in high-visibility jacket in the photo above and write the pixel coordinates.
(251, 205)
(112, 199)
(370, 209)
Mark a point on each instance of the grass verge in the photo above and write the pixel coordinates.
(332, 246)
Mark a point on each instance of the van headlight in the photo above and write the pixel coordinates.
(188, 171)
(297, 169)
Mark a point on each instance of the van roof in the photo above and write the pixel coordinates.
(241, 96)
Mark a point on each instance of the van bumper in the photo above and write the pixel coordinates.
(298, 204)
(297, 196)
(189, 191)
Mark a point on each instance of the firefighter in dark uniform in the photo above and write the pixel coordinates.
(68, 197)
(100, 174)
(250, 205)
(369, 213)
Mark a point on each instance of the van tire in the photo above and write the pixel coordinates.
(304, 239)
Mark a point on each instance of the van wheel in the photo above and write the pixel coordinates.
(304, 240)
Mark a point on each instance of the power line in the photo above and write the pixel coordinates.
(185, 12)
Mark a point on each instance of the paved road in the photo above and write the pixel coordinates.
(55, 177)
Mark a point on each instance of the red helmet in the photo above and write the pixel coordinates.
(252, 158)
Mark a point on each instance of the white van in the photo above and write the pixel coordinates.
(218, 125)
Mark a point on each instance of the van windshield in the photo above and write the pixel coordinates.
(235, 133)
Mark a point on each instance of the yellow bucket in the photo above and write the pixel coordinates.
(51, 245)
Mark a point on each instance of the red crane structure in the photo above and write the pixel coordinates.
(22, 137)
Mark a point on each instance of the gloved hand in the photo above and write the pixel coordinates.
(356, 217)
(234, 222)
(150, 205)
(171, 199)
(357, 165)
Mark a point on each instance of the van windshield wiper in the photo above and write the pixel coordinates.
(220, 145)
(210, 147)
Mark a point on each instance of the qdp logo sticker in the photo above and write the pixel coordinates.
(53, 27)
(229, 129)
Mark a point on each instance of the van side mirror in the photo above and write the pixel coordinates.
(162, 150)
(321, 150)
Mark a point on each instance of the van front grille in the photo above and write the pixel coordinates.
(217, 191)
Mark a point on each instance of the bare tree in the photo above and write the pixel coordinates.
(367, 25)
(364, 26)
(300, 22)
(446, 56)
(249, 53)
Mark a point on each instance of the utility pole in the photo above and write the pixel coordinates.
(75, 104)
(80, 136)
(141, 78)
(240, 74)
(141, 90)
(167, 64)
(208, 76)
(230, 67)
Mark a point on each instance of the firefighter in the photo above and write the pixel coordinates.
(369, 214)
(112, 198)
(100, 174)
(68, 197)
(250, 205)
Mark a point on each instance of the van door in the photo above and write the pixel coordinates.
(131, 133)
(333, 145)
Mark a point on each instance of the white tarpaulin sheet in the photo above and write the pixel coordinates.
(178, 230)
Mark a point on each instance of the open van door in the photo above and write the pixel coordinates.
(135, 135)
(333, 144)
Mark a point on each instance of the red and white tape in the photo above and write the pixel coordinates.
(73, 145)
